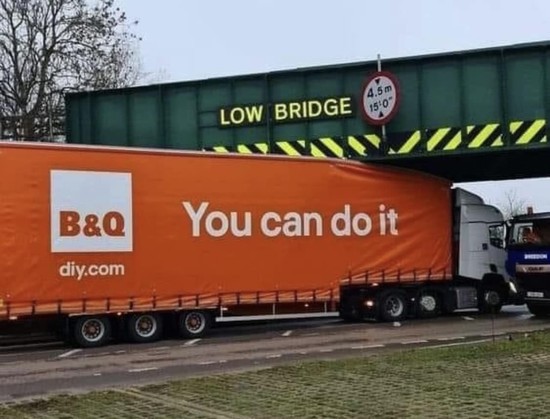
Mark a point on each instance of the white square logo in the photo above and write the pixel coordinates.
(91, 211)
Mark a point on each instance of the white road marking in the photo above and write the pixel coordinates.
(161, 348)
(368, 346)
(222, 361)
(273, 356)
(143, 369)
(303, 353)
(67, 354)
(207, 362)
(413, 342)
(97, 374)
(468, 318)
(191, 342)
(287, 333)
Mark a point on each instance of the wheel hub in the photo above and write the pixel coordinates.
(146, 326)
(492, 297)
(428, 303)
(92, 330)
(194, 322)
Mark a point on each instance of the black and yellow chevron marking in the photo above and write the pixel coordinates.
(528, 132)
(520, 133)
(327, 147)
(257, 148)
(218, 149)
(404, 143)
(291, 148)
(443, 139)
(478, 136)
(363, 145)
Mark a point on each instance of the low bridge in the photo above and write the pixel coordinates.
(468, 116)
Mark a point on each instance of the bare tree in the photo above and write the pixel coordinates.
(512, 204)
(50, 47)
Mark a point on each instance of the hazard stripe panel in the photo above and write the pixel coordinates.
(363, 145)
(218, 149)
(404, 142)
(528, 132)
(489, 135)
(443, 139)
(327, 147)
(258, 148)
(446, 139)
(291, 148)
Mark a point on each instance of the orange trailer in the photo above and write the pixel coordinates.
(93, 233)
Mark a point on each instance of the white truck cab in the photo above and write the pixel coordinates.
(480, 230)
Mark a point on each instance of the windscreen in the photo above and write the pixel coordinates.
(530, 232)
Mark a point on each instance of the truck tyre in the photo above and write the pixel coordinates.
(145, 327)
(194, 324)
(428, 303)
(491, 301)
(392, 305)
(91, 331)
(538, 310)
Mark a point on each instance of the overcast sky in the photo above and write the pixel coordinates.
(190, 40)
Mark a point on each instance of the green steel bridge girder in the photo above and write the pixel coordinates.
(486, 110)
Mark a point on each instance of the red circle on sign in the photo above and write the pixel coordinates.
(386, 118)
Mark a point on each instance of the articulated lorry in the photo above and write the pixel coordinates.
(108, 239)
(528, 262)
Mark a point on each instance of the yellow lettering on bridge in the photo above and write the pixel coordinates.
(281, 112)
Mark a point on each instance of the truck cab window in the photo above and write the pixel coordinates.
(530, 232)
(520, 233)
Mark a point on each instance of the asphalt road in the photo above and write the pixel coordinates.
(53, 367)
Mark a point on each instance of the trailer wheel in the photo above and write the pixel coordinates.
(392, 305)
(428, 303)
(91, 331)
(146, 327)
(194, 324)
(538, 310)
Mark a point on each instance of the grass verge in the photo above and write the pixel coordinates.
(502, 379)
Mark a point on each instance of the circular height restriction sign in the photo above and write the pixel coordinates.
(380, 98)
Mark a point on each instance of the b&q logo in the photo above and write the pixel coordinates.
(112, 224)
(91, 211)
